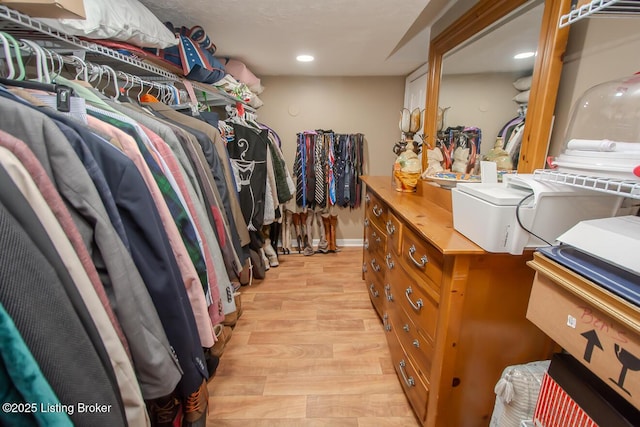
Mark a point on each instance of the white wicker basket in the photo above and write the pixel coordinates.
(517, 393)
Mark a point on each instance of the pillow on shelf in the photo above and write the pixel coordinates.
(123, 20)
(241, 73)
(523, 83)
(522, 97)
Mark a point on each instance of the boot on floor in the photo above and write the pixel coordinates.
(333, 222)
(308, 235)
(323, 226)
(272, 255)
(265, 260)
(297, 229)
(286, 232)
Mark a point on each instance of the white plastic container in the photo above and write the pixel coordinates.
(603, 135)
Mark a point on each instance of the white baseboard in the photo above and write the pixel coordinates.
(349, 242)
(339, 242)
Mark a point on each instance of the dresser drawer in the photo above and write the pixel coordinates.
(421, 259)
(376, 293)
(375, 210)
(375, 240)
(373, 267)
(413, 297)
(418, 347)
(393, 228)
(415, 387)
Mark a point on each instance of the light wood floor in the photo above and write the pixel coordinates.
(309, 350)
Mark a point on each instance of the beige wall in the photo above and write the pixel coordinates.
(368, 105)
(599, 50)
(480, 100)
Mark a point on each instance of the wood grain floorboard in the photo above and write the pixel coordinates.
(309, 350)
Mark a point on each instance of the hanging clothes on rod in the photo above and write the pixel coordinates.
(154, 242)
(262, 178)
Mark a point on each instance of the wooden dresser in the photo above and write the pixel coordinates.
(454, 314)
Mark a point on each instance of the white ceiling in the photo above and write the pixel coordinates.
(347, 37)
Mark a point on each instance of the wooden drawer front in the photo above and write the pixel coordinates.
(421, 259)
(414, 385)
(376, 293)
(375, 210)
(393, 228)
(375, 240)
(417, 346)
(373, 267)
(413, 297)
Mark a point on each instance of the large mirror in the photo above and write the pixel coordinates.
(472, 74)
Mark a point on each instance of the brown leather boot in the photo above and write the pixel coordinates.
(333, 222)
(324, 226)
(308, 235)
(296, 225)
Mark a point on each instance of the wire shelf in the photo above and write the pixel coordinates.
(601, 8)
(613, 186)
(24, 26)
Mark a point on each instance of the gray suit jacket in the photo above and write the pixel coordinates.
(36, 300)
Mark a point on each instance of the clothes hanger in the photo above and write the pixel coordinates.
(7, 53)
(43, 76)
(63, 93)
(60, 65)
(113, 77)
(95, 73)
(141, 88)
(18, 55)
(81, 68)
(123, 96)
(250, 118)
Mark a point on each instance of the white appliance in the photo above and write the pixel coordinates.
(615, 240)
(488, 214)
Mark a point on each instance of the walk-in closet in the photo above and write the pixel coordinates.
(285, 213)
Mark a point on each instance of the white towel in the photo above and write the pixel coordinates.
(604, 145)
(591, 145)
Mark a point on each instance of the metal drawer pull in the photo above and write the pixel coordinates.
(423, 260)
(366, 243)
(406, 327)
(390, 227)
(387, 292)
(367, 199)
(390, 263)
(418, 304)
(377, 211)
(416, 343)
(410, 382)
(373, 291)
(366, 222)
(375, 265)
(385, 322)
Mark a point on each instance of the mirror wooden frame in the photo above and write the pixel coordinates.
(546, 73)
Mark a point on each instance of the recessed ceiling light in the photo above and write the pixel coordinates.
(524, 55)
(304, 58)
